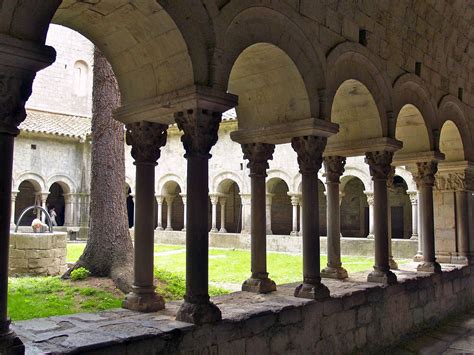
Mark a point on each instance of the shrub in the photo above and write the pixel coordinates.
(79, 274)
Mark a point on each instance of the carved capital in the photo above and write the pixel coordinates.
(426, 173)
(214, 199)
(310, 153)
(413, 195)
(455, 181)
(200, 129)
(390, 177)
(370, 197)
(334, 166)
(146, 139)
(15, 89)
(379, 164)
(295, 200)
(258, 155)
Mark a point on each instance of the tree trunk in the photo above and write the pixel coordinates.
(109, 249)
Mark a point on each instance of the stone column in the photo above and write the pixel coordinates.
(379, 165)
(370, 202)
(12, 218)
(310, 150)
(414, 214)
(300, 207)
(134, 210)
(222, 201)
(391, 261)
(42, 197)
(159, 201)
(258, 155)
(419, 253)
(200, 134)
(462, 226)
(68, 210)
(169, 212)
(295, 200)
(185, 212)
(268, 214)
(214, 201)
(146, 139)
(245, 198)
(334, 167)
(426, 180)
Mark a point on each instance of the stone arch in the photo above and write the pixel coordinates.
(352, 61)
(171, 192)
(245, 29)
(231, 204)
(353, 172)
(35, 179)
(165, 179)
(220, 178)
(400, 208)
(451, 109)
(274, 174)
(64, 181)
(147, 51)
(407, 177)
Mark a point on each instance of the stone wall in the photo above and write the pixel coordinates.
(358, 317)
(42, 254)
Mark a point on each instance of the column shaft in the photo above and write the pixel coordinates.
(222, 229)
(159, 201)
(185, 213)
(462, 225)
(12, 217)
(214, 200)
(169, 212)
(268, 214)
(294, 219)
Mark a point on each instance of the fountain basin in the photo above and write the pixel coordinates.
(37, 254)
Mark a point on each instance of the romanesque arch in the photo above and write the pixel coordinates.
(173, 206)
(281, 206)
(229, 216)
(400, 209)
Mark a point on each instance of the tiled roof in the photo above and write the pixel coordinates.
(56, 124)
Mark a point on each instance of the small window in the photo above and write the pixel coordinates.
(363, 37)
(81, 78)
(33, 146)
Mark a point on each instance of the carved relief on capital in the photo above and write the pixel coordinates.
(146, 139)
(413, 195)
(295, 200)
(379, 164)
(200, 129)
(456, 181)
(310, 153)
(334, 167)
(14, 92)
(370, 197)
(426, 173)
(258, 155)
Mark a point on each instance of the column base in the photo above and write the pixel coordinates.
(314, 292)
(159, 228)
(429, 266)
(414, 237)
(383, 277)
(269, 233)
(334, 273)
(293, 233)
(392, 263)
(10, 343)
(222, 230)
(259, 285)
(213, 230)
(418, 257)
(183, 230)
(461, 259)
(143, 300)
(169, 229)
(199, 313)
(371, 236)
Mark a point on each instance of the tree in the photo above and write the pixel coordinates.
(109, 249)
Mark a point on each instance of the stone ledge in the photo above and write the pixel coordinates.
(368, 316)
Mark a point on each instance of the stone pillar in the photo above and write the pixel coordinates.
(214, 201)
(146, 139)
(41, 198)
(300, 207)
(185, 212)
(200, 134)
(419, 253)
(370, 202)
(258, 155)
(222, 201)
(310, 150)
(68, 210)
(169, 212)
(426, 180)
(245, 198)
(414, 214)
(295, 200)
(334, 167)
(391, 261)
(268, 214)
(19, 63)
(379, 165)
(462, 226)
(12, 218)
(159, 201)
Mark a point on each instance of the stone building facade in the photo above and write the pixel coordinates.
(335, 79)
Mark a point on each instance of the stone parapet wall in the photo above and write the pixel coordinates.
(358, 316)
(401, 248)
(42, 254)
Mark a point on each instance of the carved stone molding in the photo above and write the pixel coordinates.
(295, 200)
(334, 166)
(379, 164)
(310, 153)
(258, 155)
(14, 92)
(426, 173)
(455, 181)
(200, 131)
(146, 139)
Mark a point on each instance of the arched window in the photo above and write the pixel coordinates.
(81, 76)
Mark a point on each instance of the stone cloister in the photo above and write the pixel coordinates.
(334, 80)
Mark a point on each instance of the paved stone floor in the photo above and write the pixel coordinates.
(454, 336)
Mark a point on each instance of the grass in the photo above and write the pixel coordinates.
(35, 297)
